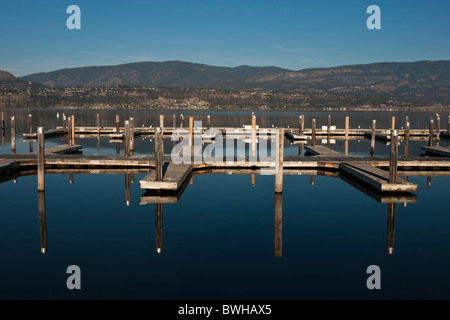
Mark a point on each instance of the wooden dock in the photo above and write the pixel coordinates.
(376, 178)
(52, 133)
(173, 177)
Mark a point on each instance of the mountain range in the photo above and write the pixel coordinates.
(422, 81)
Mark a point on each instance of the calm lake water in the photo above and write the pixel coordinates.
(219, 241)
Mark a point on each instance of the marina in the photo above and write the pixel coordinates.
(391, 177)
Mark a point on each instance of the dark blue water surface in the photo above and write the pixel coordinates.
(219, 241)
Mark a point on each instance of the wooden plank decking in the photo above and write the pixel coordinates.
(376, 178)
(173, 178)
(52, 133)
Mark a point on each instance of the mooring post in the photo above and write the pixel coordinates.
(431, 133)
(347, 126)
(191, 131)
(329, 126)
(301, 125)
(393, 160)
(41, 158)
(161, 122)
(131, 136)
(174, 122)
(42, 222)
(98, 132)
(208, 122)
(253, 136)
(158, 154)
(3, 122)
(278, 245)
(393, 123)
(117, 123)
(279, 161)
(69, 130)
(126, 139)
(30, 123)
(390, 228)
(253, 179)
(73, 130)
(438, 127)
(181, 120)
(407, 129)
(372, 139)
(13, 134)
(313, 132)
(159, 227)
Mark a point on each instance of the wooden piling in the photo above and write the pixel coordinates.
(191, 131)
(279, 161)
(158, 154)
(313, 132)
(174, 122)
(126, 139)
(347, 126)
(431, 133)
(73, 130)
(117, 124)
(208, 122)
(3, 121)
(131, 136)
(69, 130)
(30, 124)
(98, 132)
(372, 139)
(438, 127)
(301, 125)
(407, 137)
(161, 122)
(13, 134)
(393, 160)
(41, 158)
(329, 126)
(393, 123)
(253, 147)
(181, 120)
(253, 179)
(278, 245)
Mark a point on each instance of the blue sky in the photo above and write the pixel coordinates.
(289, 34)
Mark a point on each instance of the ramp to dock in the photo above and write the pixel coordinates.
(173, 178)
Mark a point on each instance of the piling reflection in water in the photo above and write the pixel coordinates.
(42, 221)
(391, 228)
(158, 227)
(278, 224)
